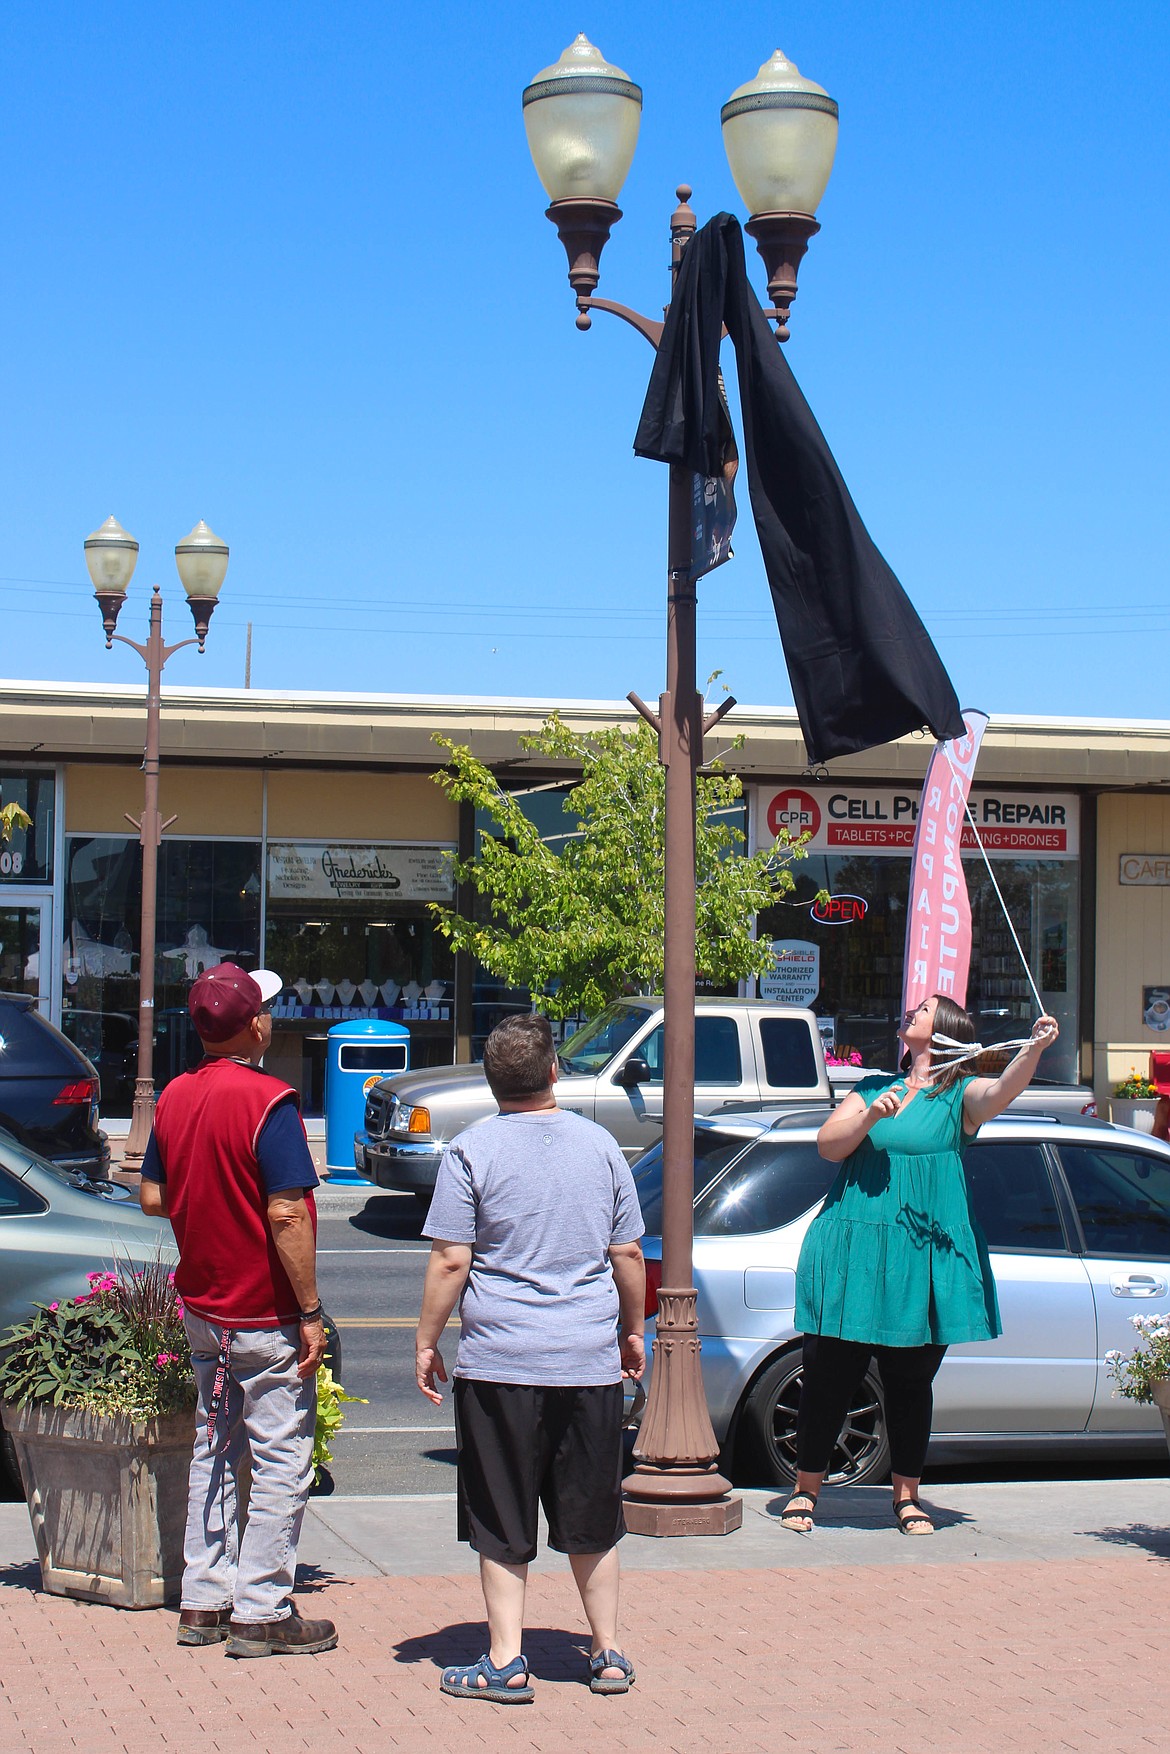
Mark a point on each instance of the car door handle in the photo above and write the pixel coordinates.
(1136, 1285)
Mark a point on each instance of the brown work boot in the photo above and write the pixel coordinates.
(277, 1638)
(203, 1625)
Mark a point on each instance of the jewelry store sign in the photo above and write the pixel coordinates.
(349, 871)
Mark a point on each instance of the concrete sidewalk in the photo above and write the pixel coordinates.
(1037, 1618)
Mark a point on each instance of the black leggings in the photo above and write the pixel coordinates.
(833, 1369)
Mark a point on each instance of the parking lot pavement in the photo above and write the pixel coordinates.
(915, 1658)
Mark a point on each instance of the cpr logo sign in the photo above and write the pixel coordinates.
(797, 812)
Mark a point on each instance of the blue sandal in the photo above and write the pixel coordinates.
(610, 1659)
(464, 1683)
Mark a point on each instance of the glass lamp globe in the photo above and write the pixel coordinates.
(581, 116)
(111, 554)
(780, 136)
(202, 560)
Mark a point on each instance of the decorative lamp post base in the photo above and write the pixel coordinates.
(676, 1488)
(141, 1121)
(674, 1519)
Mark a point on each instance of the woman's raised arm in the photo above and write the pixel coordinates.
(984, 1098)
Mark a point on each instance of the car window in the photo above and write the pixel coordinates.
(1123, 1198)
(717, 1059)
(598, 1040)
(775, 1182)
(1012, 1196)
(789, 1060)
(713, 1152)
(17, 1200)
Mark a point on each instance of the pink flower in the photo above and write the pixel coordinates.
(54, 1306)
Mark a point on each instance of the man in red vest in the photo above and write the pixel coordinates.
(229, 1165)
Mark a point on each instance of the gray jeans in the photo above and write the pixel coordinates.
(266, 1409)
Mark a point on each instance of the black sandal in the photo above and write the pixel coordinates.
(789, 1512)
(916, 1514)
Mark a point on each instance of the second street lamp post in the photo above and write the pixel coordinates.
(201, 558)
(780, 133)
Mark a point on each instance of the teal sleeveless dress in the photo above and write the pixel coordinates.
(895, 1257)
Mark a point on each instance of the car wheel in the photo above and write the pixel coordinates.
(862, 1452)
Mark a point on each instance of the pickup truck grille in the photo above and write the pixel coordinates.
(380, 1106)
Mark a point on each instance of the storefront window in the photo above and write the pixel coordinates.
(349, 929)
(26, 856)
(208, 912)
(848, 964)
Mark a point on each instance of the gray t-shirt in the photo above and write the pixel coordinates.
(541, 1196)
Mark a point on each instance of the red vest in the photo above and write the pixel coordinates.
(206, 1126)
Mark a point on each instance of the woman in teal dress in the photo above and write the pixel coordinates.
(895, 1264)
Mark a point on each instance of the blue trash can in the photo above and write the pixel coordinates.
(357, 1054)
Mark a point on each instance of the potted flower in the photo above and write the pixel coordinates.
(97, 1396)
(1134, 1101)
(1144, 1373)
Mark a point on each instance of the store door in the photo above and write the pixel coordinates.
(26, 940)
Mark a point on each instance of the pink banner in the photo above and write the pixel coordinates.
(938, 913)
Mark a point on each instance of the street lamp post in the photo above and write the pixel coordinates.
(201, 558)
(780, 130)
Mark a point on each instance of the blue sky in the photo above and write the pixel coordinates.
(285, 267)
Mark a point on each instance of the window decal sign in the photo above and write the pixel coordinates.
(795, 978)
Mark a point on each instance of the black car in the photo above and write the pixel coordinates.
(48, 1090)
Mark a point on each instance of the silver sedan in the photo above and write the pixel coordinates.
(1077, 1219)
(55, 1227)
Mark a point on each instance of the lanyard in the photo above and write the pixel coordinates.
(222, 1366)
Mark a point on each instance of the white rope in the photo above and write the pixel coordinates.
(998, 891)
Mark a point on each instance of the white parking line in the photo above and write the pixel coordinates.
(348, 1430)
(361, 1251)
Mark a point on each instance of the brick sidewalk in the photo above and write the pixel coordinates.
(930, 1659)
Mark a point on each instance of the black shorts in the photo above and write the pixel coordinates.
(520, 1446)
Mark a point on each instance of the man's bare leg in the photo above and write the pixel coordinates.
(503, 1594)
(598, 1578)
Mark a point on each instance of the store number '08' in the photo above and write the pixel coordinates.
(11, 864)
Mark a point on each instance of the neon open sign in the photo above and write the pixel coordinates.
(839, 910)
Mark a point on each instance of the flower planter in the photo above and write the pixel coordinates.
(1160, 1390)
(1137, 1112)
(107, 1496)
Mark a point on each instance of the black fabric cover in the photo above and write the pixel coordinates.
(862, 666)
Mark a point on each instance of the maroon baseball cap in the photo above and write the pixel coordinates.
(224, 999)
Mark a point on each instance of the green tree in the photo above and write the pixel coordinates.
(581, 922)
(12, 816)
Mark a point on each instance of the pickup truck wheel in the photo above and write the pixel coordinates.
(861, 1454)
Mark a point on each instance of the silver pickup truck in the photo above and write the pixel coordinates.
(747, 1052)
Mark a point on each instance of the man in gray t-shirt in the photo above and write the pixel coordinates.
(535, 1229)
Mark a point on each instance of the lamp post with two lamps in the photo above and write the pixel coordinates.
(111, 555)
(780, 134)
